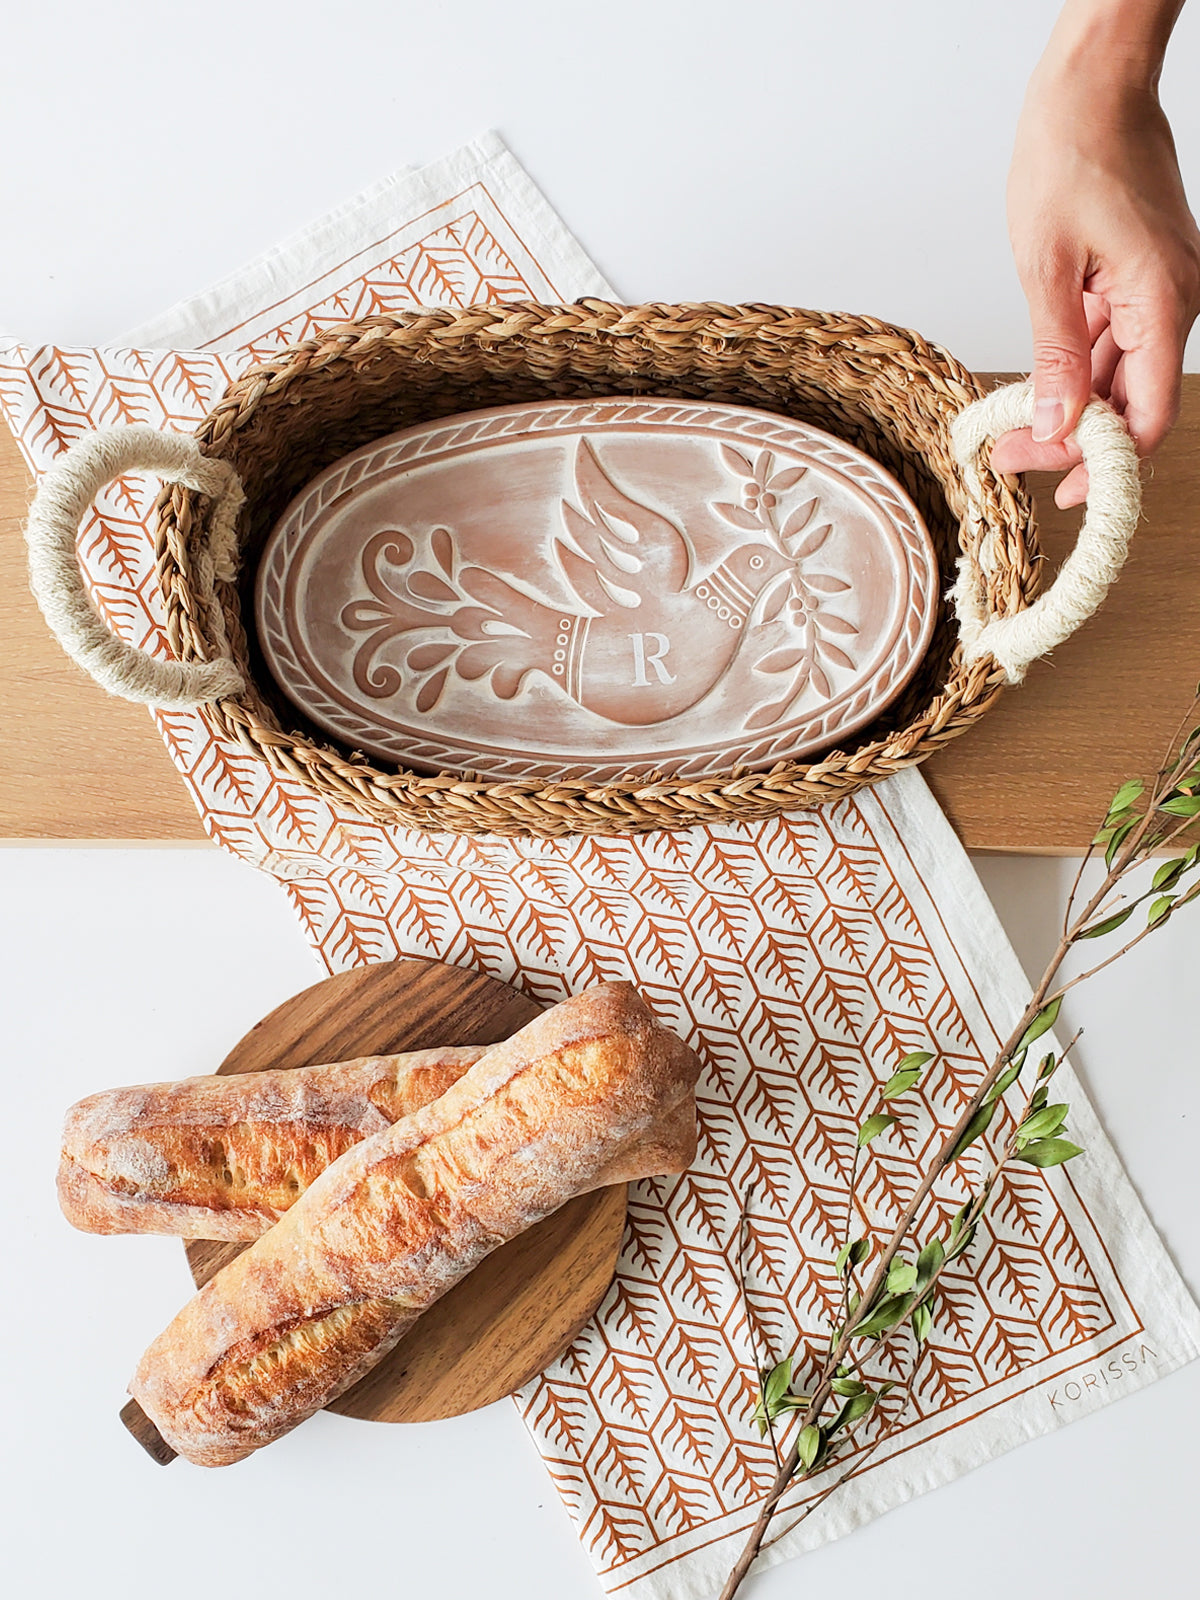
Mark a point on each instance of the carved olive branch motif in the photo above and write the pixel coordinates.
(794, 592)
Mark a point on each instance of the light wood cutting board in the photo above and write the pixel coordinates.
(1033, 774)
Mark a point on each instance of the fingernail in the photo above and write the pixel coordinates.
(1047, 420)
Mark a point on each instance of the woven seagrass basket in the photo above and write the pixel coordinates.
(883, 389)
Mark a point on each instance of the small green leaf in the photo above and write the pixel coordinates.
(901, 1278)
(1169, 874)
(922, 1321)
(1109, 924)
(774, 1397)
(1040, 1124)
(1048, 1067)
(1125, 796)
(885, 1315)
(794, 1402)
(960, 1234)
(847, 1388)
(1042, 1023)
(873, 1127)
(899, 1083)
(1183, 805)
(1118, 839)
(929, 1262)
(962, 1242)
(1160, 909)
(917, 1059)
(977, 1126)
(775, 1383)
(852, 1254)
(1049, 1152)
(807, 1445)
(1004, 1082)
(856, 1408)
(907, 1073)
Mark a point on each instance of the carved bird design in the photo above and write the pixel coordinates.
(648, 629)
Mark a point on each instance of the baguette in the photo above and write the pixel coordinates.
(592, 1092)
(225, 1157)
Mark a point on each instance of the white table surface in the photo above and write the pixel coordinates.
(839, 156)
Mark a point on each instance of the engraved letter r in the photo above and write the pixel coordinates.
(654, 658)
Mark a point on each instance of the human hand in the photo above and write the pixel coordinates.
(1108, 255)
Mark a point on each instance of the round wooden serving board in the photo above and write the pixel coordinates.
(521, 1307)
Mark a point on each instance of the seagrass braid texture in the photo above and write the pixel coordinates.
(885, 390)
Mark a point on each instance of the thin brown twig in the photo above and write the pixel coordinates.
(1173, 764)
(1102, 911)
(1116, 955)
(851, 1471)
(1082, 977)
(758, 1365)
(1084, 859)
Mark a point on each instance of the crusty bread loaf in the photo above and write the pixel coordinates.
(593, 1091)
(225, 1157)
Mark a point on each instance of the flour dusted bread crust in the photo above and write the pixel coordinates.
(593, 1091)
(225, 1157)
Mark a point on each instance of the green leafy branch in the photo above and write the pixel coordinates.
(1141, 822)
(909, 1286)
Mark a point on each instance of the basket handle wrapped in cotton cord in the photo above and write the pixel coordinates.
(1114, 504)
(66, 491)
(58, 509)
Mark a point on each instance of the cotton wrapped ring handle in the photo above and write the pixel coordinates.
(55, 516)
(1114, 504)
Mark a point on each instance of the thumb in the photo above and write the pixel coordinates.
(1062, 353)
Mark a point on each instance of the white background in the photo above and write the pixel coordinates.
(843, 156)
